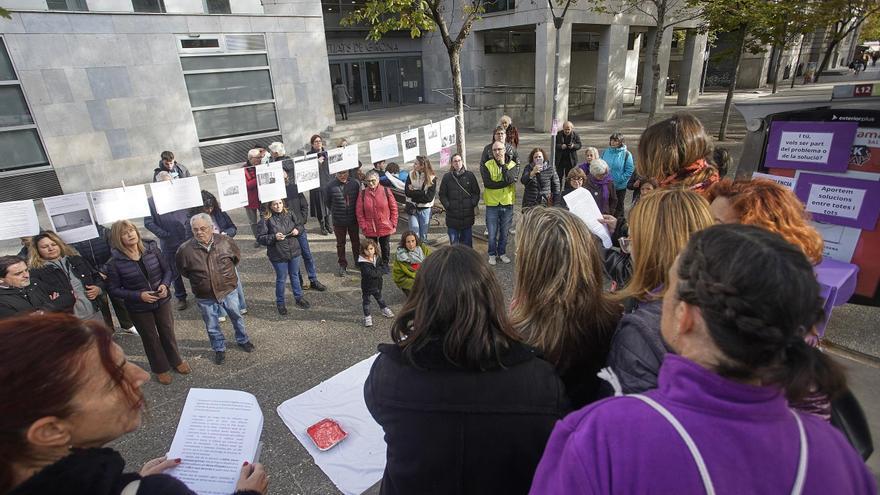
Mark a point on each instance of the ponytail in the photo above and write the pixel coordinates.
(806, 370)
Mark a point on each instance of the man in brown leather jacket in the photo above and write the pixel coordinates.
(208, 261)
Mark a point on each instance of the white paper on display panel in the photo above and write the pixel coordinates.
(19, 219)
(307, 175)
(270, 182)
(71, 217)
(120, 203)
(232, 189)
(433, 140)
(410, 141)
(176, 194)
(342, 159)
(447, 132)
(384, 148)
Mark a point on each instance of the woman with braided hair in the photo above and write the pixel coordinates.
(739, 301)
(676, 152)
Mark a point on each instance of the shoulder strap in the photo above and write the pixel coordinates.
(692, 447)
(802, 459)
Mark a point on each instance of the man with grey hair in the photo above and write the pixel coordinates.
(209, 261)
(255, 157)
(170, 228)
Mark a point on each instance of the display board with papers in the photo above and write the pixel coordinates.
(19, 219)
(121, 203)
(270, 182)
(232, 189)
(176, 194)
(71, 217)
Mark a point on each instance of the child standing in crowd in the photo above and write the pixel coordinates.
(371, 280)
(601, 186)
(410, 255)
(280, 234)
(620, 162)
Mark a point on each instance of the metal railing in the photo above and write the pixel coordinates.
(523, 97)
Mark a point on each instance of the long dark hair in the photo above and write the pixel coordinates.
(41, 368)
(457, 300)
(759, 298)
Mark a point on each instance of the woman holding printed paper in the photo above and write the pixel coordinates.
(58, 268)
(138, 274)
(89, 395)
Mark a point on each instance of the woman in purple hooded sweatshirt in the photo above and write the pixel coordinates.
(739, 303)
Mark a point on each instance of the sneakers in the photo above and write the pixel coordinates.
(492, 260)
(219, 357)
(247, 346)
(282, 310)
(183, 368)
(368, 321)
(221, 319)
(505, 259)
(244, 311)
(340, 271)
(318, 286)
(165, 378)
(302, 303)
(387, 313)
(182, 304)
(128, 331)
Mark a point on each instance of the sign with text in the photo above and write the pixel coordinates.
(820, 146)
(788, 182)
(840, 200)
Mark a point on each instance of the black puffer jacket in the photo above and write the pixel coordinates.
(96, 251)
(541, 189)
(284, 250)
(371, 276)
(637, 349)
(126, 281)
(343, 198)
(53, 279)
(15, 300)
(460, 195)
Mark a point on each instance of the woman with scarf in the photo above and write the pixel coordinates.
(540, 181)
(620, 162)
(410, 255)
(601, 186)
(675, 153)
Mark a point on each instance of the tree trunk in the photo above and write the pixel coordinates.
(826, 58)
(457, 98)
(722, 132)
(657, 93)
(776, 67)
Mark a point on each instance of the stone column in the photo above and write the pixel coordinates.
(691, 67)
(648, 72)
(545, 57)
(611, 72)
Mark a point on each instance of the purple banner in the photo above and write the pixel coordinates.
(820, 146)
(840, 200)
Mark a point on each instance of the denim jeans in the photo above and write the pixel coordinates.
(239, 291)
(498, 220)
(420, 221)
(210, 310)
(365, 296)
(307, 256)
(461, 236)
(283, 270)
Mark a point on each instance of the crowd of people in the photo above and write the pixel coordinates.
(681, 360)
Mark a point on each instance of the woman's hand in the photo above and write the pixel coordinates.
(162, 291)
(148, 297)
(279, 236)
(92, 291)
(294, 232)
(54, 296)
(609, 221)
(252, 477)
(158, 465)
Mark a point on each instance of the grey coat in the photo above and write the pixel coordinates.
(637, 349)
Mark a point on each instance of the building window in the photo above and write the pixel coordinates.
(585, 42)
(150, 6)
(499, 5)
(67, 5)
(230, 94)
(509, 42)
(20, 145)
(218, 7)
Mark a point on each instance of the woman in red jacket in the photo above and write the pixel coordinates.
(376, 211)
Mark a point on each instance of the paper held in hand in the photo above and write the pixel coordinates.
(218, 431)
(581, 203)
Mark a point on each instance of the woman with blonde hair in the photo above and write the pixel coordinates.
(559, 304)
(660, 225)
(675, 152)
(138, 274)
(59, 268)
(420, 189)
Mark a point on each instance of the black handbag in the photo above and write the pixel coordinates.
(848, 417)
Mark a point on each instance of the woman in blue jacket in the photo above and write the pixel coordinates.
(138, 274)
(620, 162)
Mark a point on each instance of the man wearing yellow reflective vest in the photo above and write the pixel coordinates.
(499, 193)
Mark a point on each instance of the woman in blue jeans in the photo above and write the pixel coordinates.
(279, 233)
(420, 189)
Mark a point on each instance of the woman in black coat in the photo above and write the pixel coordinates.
(540, 181)
(460, 195)
(466, 406)
(138, 274)
(58, 268)
(318, 201)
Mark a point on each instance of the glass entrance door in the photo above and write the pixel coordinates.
(375, 95)
(376, 84)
